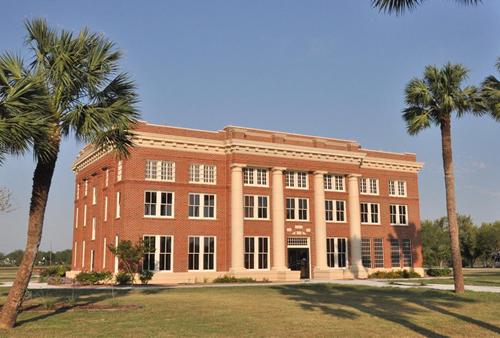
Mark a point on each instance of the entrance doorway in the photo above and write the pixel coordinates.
(298, 260)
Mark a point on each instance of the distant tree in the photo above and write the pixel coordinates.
(15, 257)
(468, 239)
(400, 6)
(488, 242)
(436, 243)
(130, 256)
(5, 200)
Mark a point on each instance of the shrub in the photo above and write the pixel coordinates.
(123, 278)
(145, 276)
(394, 274)
(93, 277)
(437, 272)
(232, 279)
(53, 271)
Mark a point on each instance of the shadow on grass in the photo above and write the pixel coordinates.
(394, 305)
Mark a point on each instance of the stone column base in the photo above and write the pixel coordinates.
(328, 274)
(359, 272)
(270, 275)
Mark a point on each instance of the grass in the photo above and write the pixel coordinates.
(271, 310)
(7, 274)
(487, 277)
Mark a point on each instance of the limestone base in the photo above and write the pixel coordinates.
(328, 274)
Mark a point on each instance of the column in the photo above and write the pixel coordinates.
(236, 218)
(357, 268)
(320, 221)
(278, 218)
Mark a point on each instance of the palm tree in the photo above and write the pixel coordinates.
(490, 90)
(432, 101)
(400, 6)
(83, 94)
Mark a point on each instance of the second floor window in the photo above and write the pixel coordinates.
(334, 182)
(397, 188)
(158, 204)
(201, 206)
(160, 171)
(255, 176)
(335, 211)
(398, 214)
(368, 186)
(202, 173)
(119, 171)
(297, 208)
(370, 213)
(296, 179)
(256, 206)
(94, 195)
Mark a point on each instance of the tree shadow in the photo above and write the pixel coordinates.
(391, 304)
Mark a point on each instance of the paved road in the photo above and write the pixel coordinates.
(358, 282)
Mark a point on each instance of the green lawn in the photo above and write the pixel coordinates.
(298, 311)
(489, 277)
(7, 274)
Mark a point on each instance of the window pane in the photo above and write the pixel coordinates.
(366, 252)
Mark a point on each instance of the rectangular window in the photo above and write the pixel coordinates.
(398, 214)
(255, 177)
(105, 208)
(85, 187)
(366, 253)
(76, 218)
(106, 177)
(94, 196)
(378, 253)
(104, 251)
(296, 179)
(335, 211)
(256, 253)
(202, 173)
(370, 213)
(85, 215)
(397, 188)
(395, 256)
(201, 206)
(148, 262)
(334, 182)
(256, 206)
(297, 208)
(83, 255)
(157, 258)
(336, 252)
(94, 225)
(78, 191)
(407, 256)
(368, 186)
(158, 204)
(92, 260)
(201, 253)
(119, 171)
(165, 263)
(118, 204)
(160, 171)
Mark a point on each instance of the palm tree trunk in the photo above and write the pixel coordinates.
(42, 178)
(451, 207)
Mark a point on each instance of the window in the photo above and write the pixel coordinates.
(158, 204)
(85, 187)
(378, 253)
(334, 182)
(407, 259)
(395, 257)
(397, 188)
(78, 191)
(76, 218)
(75, 253)
(94, 224)
(256, 252)
(398, 214)
(92, 259)
(256, 206)
(83, 254)
(201, 206)
(118, 202)
(201, 254)
(85, 215)
(370, 213)
(366, 253)
(165, 263)
(296, 179)
(104, 251)
(335, 211)
(105, 208)
(119, 171)
(160, 171)
(255, 177)
(148, 263)
(116, 257)
(106, 177)
(296, 208)
(368, 186)
(94, 196)
(202, 173)
(336, 252)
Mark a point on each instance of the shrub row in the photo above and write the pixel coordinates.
(232, 279)
(93, 278)
(394, 274)
(438, 272)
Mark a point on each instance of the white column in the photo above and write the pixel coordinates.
(278, 218)
(320, 220)
(355, 227)
(236, 218)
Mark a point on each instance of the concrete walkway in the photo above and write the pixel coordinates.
(378, 283)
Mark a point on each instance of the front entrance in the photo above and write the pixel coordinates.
(298, 260)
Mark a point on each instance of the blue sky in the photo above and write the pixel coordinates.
(328, 68)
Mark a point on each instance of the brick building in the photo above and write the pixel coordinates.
(248, 202)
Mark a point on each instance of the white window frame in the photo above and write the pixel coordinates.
(202, 206)
(104, 253)
(202, 252)
(158, 252)
(119, 171)
(395, 187)
(77, 191)
(398, 208)
(334, 182)
(92, 260)
(370, 213)
(118, 204)
(256, 252)
(197, 173)
(296, 209)
(83, 254)
(336, 252)
(366, 186)
(76, 218)
(116, 262)
(94, 228)
(158, 204)
(255, 207)
(85, 187)
(160, 170)
(106, 177)
(94, 195)
(85, 215)
(252, 177)
(335, 211)
(105, 208)
(292, 180)
(76, 254)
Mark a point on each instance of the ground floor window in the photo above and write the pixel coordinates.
(201, 253)
(395, 256)
(256, 253)
(92, 259)
(148, 263)
(157, 253)
(336, 252)
(372, 252)
(366, 253)
(406, 248)
(378, 253)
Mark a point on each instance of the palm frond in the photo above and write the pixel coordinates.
(399, 7)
